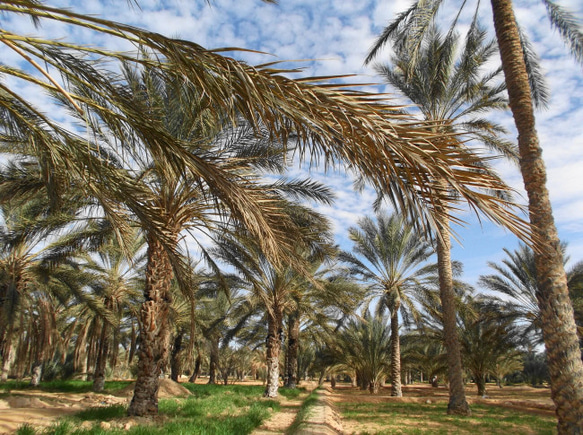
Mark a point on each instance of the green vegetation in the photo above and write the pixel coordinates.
(419, 418)
(211, 409)
(63, 386)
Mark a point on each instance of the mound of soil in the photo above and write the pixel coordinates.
(168, 388)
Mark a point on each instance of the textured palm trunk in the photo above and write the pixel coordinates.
(458, 404)
(558, 324)
(274, 329)
(153, 346)
(214, 360)
(100, 364)
(196, 371)
(6, 361)
(293, 341)
(395, 353)
(36, 373)
(481, 384)
(176, 357)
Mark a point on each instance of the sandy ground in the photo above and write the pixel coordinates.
(41, 409)
(523, 398)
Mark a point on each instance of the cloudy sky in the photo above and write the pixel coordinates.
(329, 37)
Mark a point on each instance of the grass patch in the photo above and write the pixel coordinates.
(416, 418)
(212, 409)
(60, 386)
(291, 393)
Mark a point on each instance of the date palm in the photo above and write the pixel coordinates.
(321, 302)
(273, 286)
(523, 81)
(112, 285)
(389, 257)
(453, 91)
(515, 278)
(364, 346)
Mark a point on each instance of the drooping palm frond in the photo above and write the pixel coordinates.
(400, 158)
(569, 28)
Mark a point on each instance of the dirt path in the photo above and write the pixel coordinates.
(280, 421)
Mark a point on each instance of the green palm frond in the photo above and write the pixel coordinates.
(569, 28)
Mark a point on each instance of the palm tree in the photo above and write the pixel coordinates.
(515, 277)
(392, 268)
(453, 92)
(321, 300)
(364, 346)
(112, 286)
(272, 286)
(523, 83)
(488, 341)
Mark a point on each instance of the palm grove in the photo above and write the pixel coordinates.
(173, 143)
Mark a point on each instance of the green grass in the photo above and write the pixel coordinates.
(416, 418)
(212, 409)
(69, 386)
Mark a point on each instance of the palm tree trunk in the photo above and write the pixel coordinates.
(292, 350)
(458, 404)
(274, 330)
(213, 360)
(176, 357)
(481, 384)
(153, 347)
(197, 365)
(395, 353)
(100, 364)
(36, 373)
(6, 361)
(558, 324)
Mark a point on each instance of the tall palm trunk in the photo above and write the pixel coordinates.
(395, 352)
(176, 357)
(457, 397)
(100, 364)
(274, 330)
(153, 347)
(214, 360)
(197, 366)
(7, 356)
(558, 324)
(293, 341)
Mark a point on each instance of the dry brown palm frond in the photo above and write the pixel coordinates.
(395, 154)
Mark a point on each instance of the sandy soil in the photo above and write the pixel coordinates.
(41, 409)
(523, 398)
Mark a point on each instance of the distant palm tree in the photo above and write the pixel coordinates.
(272, 286)
(321, 300)
(113, 285)
(452, 89)
(389, 257)
(364, 346)
(515, 277)
(488, 340)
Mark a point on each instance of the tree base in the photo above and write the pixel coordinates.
(459, 409)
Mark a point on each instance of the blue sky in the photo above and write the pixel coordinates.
(329, 37)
